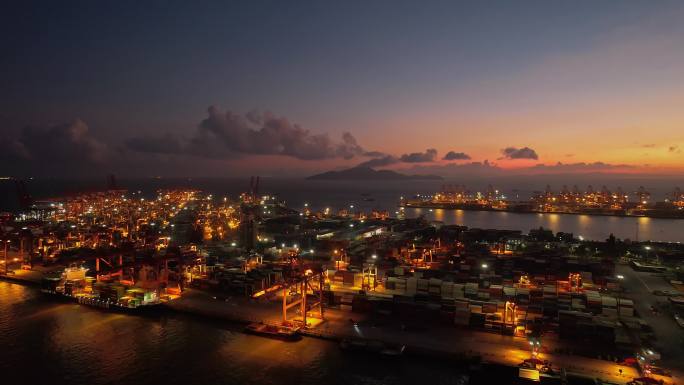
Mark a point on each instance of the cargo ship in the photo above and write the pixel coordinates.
(74, 285)
(280, 332)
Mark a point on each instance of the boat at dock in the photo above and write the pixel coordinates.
(72, 285)
(280, 332)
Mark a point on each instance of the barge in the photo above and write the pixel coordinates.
(280, 332)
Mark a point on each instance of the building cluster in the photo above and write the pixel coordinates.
(123, 241)
(97, 220)
(427, 273)
(573, 201)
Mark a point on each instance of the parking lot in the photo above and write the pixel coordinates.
(669, 336)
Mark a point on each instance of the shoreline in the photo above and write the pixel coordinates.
(464, 345)
(489, 209)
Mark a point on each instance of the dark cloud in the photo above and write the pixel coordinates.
(374, 154)
(61, 143)
(420, 157)
(674, 149)
(65, 147)
(451, 155)
(519, 153)
(227, 135)
(650, 145)
(383, 161)
(271, 136)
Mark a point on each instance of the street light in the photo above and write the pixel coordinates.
(647, 248)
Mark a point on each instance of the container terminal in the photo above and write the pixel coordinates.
(549, 304)
(565, 201)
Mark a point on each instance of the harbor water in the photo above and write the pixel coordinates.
(48, 342)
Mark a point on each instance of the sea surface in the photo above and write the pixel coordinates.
(385, 196)
(55, 343)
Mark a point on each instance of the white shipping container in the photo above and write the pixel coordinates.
(624, 302)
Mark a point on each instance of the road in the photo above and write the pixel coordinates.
(669, 335)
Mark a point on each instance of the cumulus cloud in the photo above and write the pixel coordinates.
(382, 161)
(227, 135)
(59, 149)
(420, 157)
(67, 143)
(374, 154)
(451, 155)
(519, 153)
(266, 134)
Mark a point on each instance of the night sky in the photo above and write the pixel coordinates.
(146, 88)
